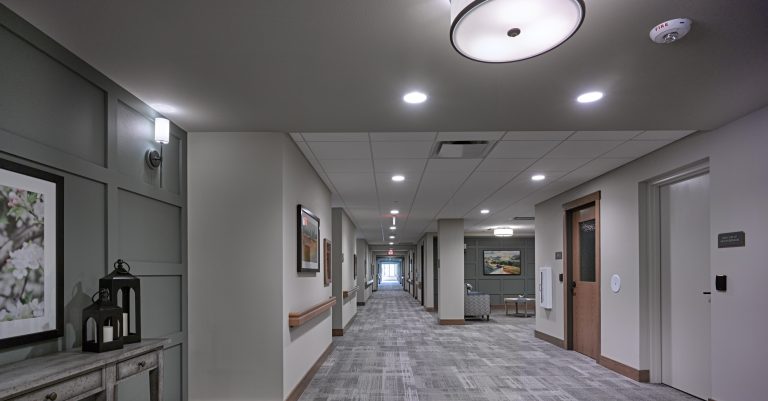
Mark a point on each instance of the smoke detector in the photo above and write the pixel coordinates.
(671, 31)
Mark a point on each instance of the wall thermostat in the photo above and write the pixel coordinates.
(615, 283)
(671, 31)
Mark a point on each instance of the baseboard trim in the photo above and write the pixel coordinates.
(550, 339)
(430, 308)
(452, 322)
(337, 332)
(304, 383)
(643, 376)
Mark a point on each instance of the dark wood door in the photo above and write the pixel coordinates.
(585, 285)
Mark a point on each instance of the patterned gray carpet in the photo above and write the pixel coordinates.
(395, 351)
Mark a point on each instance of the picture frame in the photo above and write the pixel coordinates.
(308, 245)
(354, 266)
(502, 262)
(327, 276)
(31, 255)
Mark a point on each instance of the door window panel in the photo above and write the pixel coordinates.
(587, 250)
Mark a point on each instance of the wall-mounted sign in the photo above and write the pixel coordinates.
(731, 240)
(391, 252)
(558, 256)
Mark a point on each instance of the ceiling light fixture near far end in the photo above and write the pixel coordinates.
(394, 211)
(485, 211)
(503, 232)
(391, 237)
(501, 31)
(589, 97)
(398, 178)
(415, 97)
(393, 228)
(391, 243)
(538, 177)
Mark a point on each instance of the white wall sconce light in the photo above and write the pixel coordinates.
(162, 136)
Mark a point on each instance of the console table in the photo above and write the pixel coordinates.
(74, 375)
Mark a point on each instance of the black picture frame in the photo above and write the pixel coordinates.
(306, 263)
(519, 255)
(58, 208)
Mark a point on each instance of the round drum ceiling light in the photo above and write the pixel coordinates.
(501, 31)
(503, 232)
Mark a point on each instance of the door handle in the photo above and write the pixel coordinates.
(573, 284)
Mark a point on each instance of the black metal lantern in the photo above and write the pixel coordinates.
(127, 294)
(102, 324)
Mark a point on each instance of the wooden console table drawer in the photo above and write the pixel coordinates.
(136, 365)
(72, 389)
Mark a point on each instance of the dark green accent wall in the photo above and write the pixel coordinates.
(499, 287)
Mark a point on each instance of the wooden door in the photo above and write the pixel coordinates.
(585, 284)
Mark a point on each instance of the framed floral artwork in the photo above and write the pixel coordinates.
(308, 251)
(31, 255)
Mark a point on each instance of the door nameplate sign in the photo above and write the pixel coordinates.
(731, 240)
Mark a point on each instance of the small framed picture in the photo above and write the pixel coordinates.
(308, 251)
(327, 262)
(502, 263)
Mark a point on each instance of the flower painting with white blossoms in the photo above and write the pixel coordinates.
(29, 270)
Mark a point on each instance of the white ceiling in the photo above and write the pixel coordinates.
(358, 168)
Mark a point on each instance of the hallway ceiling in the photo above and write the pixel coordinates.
(343, 66)
(358, 167)
(336, 71)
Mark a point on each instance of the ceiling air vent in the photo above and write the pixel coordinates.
(462, 149)
(518, 218)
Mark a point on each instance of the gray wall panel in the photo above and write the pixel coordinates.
(60, 115)
(149, 230)
(163, 293)
(499, 287)
(48, 103)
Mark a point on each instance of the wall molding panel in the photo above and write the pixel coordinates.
(61, 115)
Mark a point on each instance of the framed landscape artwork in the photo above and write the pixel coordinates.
(31, 255)
(504, 263)
(308, 251)
(327, 262)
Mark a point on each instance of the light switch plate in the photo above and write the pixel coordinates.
(615, 283)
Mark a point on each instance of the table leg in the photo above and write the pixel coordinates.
(110, 387)
(156, 379)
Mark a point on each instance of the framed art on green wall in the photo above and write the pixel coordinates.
(31, 254)
(308, 252)
(502, 263)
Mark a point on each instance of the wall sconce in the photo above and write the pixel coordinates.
(162, 136)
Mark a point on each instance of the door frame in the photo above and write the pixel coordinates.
(569, 208)
(650, 256)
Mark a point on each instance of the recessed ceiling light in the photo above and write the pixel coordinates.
(391, 237)
(415, 97)
(398, 178)
(589, 97)
(485, 211)
(391, 243)
(538, 177)
(394, 211)
(393, 228)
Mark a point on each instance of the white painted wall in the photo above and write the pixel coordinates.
(450, 237)
(429, 274)
(738, 199)
(302, 346)
(242, 255)
(362, 256)
(235, 291)
(344, 242)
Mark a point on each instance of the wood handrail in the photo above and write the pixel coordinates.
(369, 283)
(296, 319)
(349, 293)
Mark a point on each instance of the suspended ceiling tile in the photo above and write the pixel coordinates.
(452, 165)
(633, 149)
(401, 150)
(399, 166)
(347, 165)
(340, 150)
(663, 135)
(582, 149)
(549, 164)
(470, 136)
(603, 135)
(335, 136)
(403, 136)
(505, 165)
(521, 149)
(536, 135)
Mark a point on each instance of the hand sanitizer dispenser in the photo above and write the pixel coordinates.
(545, 287)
